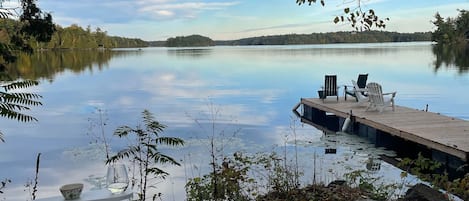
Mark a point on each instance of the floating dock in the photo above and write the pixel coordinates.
(444, 138)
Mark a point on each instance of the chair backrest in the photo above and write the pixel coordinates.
(359, 94)
(375, 93)
(330, 85)
(355, 84)
(362, 80)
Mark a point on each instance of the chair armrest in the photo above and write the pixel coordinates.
(391, 93)
(374, 94)
(361, 90)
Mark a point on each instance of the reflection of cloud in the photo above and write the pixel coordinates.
(177, 88)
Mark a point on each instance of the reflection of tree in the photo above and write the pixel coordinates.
(44, 65)
(452, 56)
(194, 52)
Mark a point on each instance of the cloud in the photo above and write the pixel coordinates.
(163, 9)
(283, 26)
(165, 13)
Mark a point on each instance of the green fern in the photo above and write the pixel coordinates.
(12, 105)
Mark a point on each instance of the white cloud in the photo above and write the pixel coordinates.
(165, 13)
(188, 5)
(164, 8)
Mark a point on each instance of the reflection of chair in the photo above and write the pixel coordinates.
(373, 165)
(360, 93)
(361, 82)
(330, 87)
(377, 99)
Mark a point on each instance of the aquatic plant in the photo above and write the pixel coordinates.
(145, 153)
(427, 170)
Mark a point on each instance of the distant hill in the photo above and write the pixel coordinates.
(333, 37)
(314, 38)
(157, 43)
(190, 41)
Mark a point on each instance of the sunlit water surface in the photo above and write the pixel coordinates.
(250, 90)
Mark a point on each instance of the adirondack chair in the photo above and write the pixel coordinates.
(330, 87)
(361, 82)
(359, 93)
(378, 101)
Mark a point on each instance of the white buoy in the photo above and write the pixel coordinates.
(346, 124)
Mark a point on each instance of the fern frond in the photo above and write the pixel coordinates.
(125, 153)
(12, 106)
(20, 84)
(172, 141)
(157, 171)
(6, 111)
(5, 14)
(21, 98)
(164, 159)
(1, 137)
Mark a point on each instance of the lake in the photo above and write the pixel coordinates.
(247, 92)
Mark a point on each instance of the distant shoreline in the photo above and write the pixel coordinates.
(313, 38)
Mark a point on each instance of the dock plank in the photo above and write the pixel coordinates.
(436, 131)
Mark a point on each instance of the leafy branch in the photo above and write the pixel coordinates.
(358, 18)
(33, 24)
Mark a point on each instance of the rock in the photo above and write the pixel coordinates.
(337, 183)
(422, 192)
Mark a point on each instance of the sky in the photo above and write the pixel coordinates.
(234, 19)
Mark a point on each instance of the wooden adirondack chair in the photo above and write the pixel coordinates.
(361, 83)
(359, 93)
(378, 101)
(330, 87)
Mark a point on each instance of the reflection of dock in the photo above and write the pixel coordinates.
(443, 138)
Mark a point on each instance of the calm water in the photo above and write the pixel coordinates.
(250, 89)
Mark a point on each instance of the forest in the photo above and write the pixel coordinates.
(298, 39)
(332, 37)
(76, 37)
(72, 37)
(189, 41)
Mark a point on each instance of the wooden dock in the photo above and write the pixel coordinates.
(446, 134)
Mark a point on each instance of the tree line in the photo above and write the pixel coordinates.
(298, 39)
(332, 37)
(72, 37)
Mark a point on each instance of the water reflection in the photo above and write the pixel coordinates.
(255, 88)
(452, 56)
(46, 64)
(189, 52)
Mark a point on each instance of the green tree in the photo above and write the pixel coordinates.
(189, 41)
(145, 152)
(445, 30)
(462, 24)
(34, 24)
(358, 18)
(452, 30)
